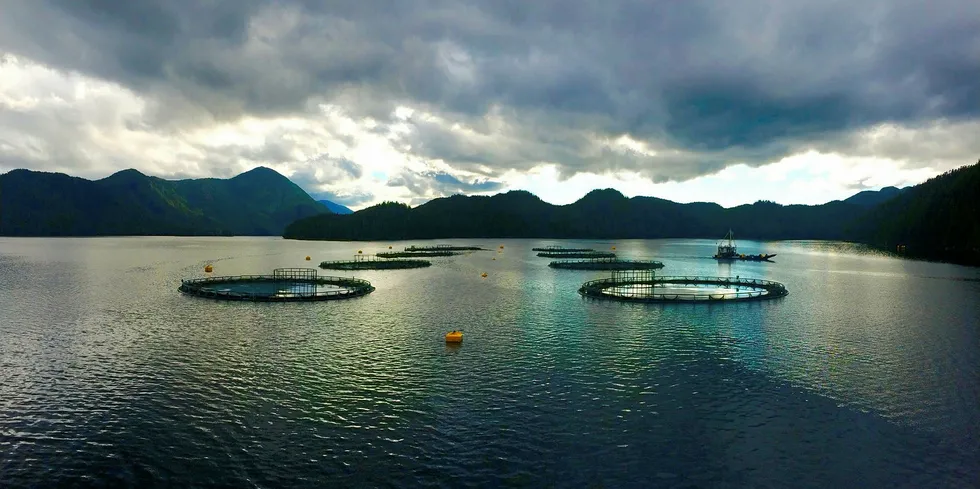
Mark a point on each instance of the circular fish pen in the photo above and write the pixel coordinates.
(284, 285)
(374, 263)
(645, 286)
(560, 249)
(443, 248)
(577, 254)
(416, 254)
(606, 264)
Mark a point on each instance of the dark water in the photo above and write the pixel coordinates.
(866, 375)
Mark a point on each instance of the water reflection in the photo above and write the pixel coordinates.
(865, 372)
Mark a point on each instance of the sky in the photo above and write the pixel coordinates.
(364, 101)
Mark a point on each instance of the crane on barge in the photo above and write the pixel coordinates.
(727, 251)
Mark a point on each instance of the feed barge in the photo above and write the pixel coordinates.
(727, 251)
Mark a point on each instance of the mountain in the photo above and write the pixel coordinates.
(335, 208)
(938, 219)
(257, 202)
(600, 214)
(871, 198)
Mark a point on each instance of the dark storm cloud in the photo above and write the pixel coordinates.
(323, 170)
(440, 183)
(352, 169)
(448, 181)
(707, 83)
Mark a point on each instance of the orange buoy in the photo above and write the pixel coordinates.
(208, 268)
(454, 336)
(389, 247)
(484, 275)
(501, 246)
(307, 258)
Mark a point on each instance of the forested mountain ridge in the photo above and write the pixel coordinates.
(257, 202)
(600, 214)
(938, 219)
(335, 207)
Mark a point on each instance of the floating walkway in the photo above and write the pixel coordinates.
(284, 285)
(645, 286)
(606, 264)
(416, 254)
(559, 249)
(374, 263)
(577, 254)
(413, 249)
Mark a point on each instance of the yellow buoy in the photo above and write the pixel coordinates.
(501, 246)
(484, 275)
(208, 268)
(454, 336)
(495, 258)
(614, 248)
(359, 252)
(307, 258)
(389, 247)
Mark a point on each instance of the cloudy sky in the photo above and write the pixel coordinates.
(361, 101)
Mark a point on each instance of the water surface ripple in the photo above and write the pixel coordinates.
(867, 375)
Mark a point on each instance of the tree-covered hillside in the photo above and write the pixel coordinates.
(257, 202)
(939, 219)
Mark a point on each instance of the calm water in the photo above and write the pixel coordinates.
(866, 375)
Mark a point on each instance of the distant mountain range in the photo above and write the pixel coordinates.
(938, 219)
(257, 202)
(335, 208)
(600, 214)
(871, 198)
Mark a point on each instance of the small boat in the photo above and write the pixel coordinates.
(727, 251)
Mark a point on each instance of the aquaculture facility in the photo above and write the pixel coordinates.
(442, 247)
(411, 254)
(284, 285)
(361, 262)
(606, 264)
(560, 249)
(646, 286)
(577, 254)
